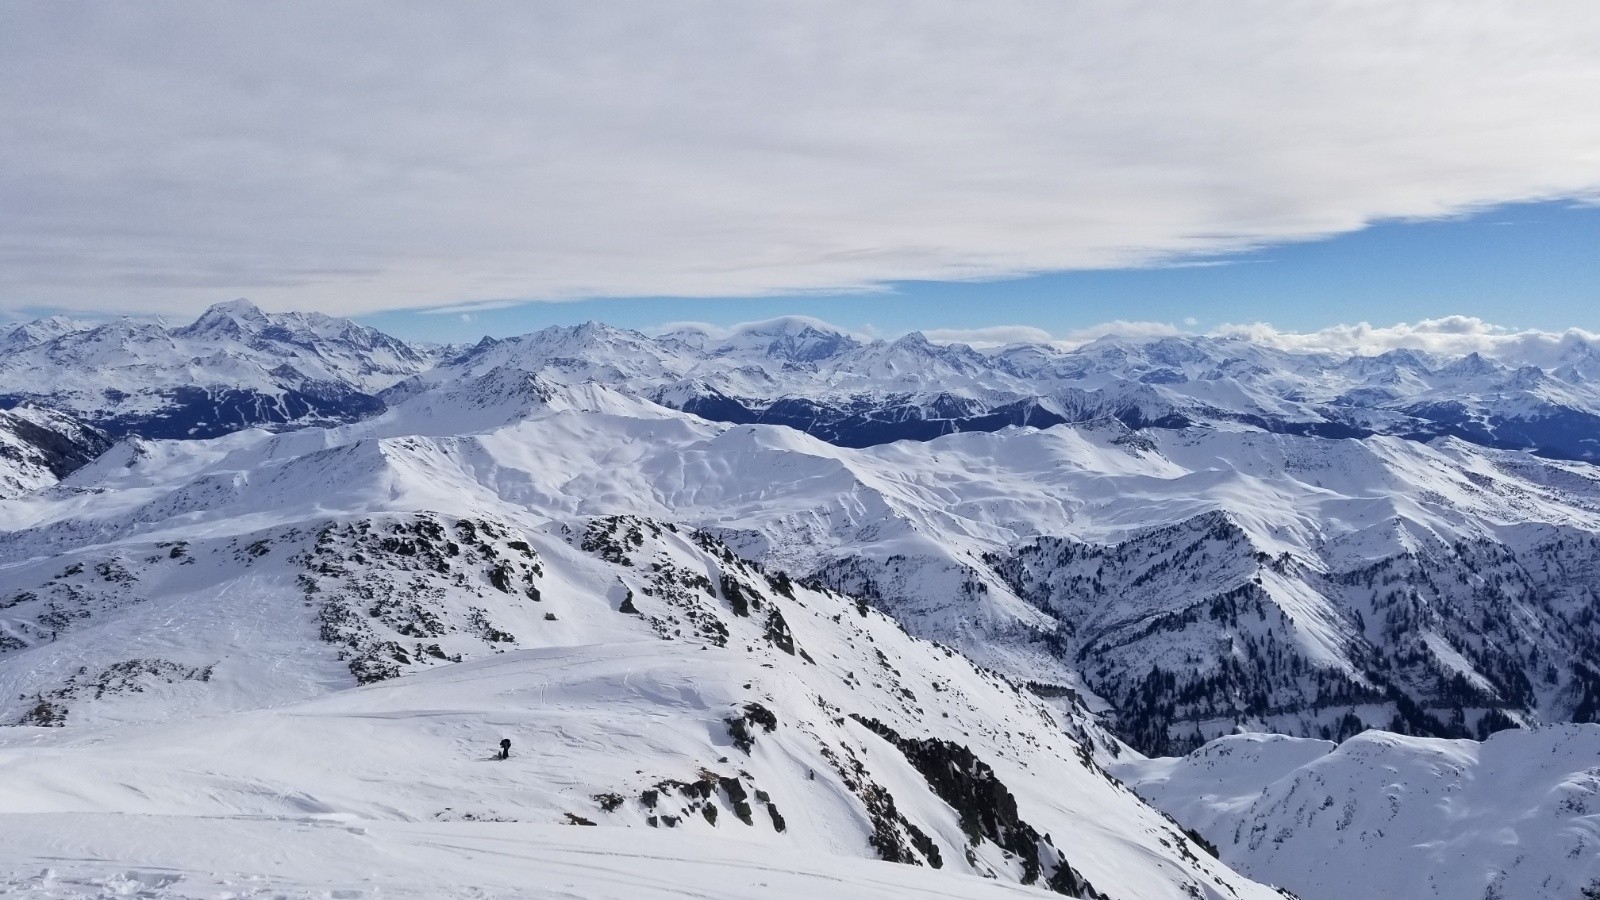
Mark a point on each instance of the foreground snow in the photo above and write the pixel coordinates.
(392, 790)
(67, 855)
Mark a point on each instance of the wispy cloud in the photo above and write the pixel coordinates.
(477, 307)
(360, 156)
(992, 336)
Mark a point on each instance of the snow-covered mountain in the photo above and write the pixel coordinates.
(1433, 584)
(1383, 815)
(234, 367)
(238, 367)
(1305, 582)
(1194, 581)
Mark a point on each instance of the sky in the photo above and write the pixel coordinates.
(969, 170)
(1521, 266)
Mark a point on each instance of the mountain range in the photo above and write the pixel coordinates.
(233, 367)
(933, 603)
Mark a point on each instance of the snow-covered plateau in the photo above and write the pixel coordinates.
(760, 612)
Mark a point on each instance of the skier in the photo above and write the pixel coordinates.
(505, 748)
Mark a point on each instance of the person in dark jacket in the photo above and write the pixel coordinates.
(505, 748)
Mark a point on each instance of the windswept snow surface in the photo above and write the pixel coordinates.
(68, 856)
(1384, 815)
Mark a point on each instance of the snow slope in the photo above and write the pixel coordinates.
(1383, 815)
(76, 856)
(362, 669)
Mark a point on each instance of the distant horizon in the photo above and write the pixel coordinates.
(1449, 336)
(1523, 267)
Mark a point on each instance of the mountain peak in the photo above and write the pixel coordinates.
(1472, 364)
(237, 309)
(791, 325)
(913, 339)
(793, 338)
(233, 316)
(23, 334)
(1405, 356)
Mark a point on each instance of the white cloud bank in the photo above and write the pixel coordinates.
(997, 335)
(1449, 336)
(360, 156)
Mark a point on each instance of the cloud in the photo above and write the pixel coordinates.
(723, 332)
(992, 336)
(711, 330)
(359, 156)
(1447, 336)
(998, 335)
(474, 307)
(1120, 329)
